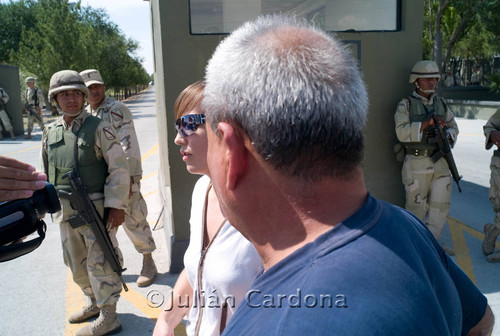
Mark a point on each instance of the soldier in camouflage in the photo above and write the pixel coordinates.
(120, 117)
(491, 231)
(34, 98)
(104, 170)
(427, 183)
(5, 125)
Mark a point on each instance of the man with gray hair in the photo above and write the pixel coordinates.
(136, 225)
(287, 109)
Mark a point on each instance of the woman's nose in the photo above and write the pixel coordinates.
(178, 139)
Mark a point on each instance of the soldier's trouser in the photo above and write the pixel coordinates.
(83, 255)
(136, 225)
(5, 121)
(32, 120)
(428, 191)
(495, 188)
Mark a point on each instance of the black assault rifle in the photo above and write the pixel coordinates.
(33, 113)
(445, 151)
(87, 214)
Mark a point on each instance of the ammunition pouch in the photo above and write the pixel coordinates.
(76, 221)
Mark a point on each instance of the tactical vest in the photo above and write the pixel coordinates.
(420, 112)
(61, 157)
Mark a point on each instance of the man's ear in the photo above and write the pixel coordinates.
(236, 154)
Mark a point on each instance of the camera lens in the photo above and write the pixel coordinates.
(45, 200)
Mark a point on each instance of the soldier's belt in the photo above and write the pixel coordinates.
(420, 152)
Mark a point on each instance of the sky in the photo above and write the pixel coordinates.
(133, 19)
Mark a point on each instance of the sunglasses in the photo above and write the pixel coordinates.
(188, 124)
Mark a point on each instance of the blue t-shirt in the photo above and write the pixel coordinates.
(380, 272)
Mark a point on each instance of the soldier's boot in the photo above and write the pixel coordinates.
(106, 324)
(12, 136)
(88, 311)
(491, 233)
(494, 257)
(148, 272)
(29, 134)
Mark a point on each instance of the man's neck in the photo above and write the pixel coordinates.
(286, 217)
(424, 94)
(96, 106)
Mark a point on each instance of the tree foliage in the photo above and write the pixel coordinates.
(45, 36)
(460, 28)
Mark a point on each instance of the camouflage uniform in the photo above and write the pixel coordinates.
(5, 125)
(493, 230)
(120, 117)
(427, 183)
(135, 225)
(34, 98)
(81, 253)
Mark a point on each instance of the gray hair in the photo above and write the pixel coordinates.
(295, 91)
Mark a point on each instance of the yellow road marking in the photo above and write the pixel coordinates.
(75, 300)
(150, 193)
(154, 150)
(150, 175)
(24, 150)
(457, 229)
(140, 302)
(460, 247)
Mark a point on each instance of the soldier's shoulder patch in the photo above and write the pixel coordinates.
(117, 115)
(108, 133)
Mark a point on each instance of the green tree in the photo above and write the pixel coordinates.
(46, 36)
(456, 24)
(15, 16)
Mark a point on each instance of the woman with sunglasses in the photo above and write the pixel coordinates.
(220, 264)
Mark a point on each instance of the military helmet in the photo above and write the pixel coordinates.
(424, 69)
(91, 76)
(66, 80)
(30, 79)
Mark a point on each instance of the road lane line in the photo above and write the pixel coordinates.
(149, 176)
(24, 150)
(141, 303)
(460, 247)
(154, 150)
(463, 258)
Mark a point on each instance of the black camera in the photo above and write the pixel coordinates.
(22, 217)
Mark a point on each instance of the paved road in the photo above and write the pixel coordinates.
(37, 293)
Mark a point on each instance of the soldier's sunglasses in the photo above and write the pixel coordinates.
(188, 124)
